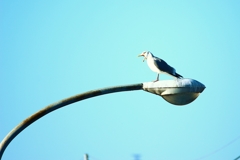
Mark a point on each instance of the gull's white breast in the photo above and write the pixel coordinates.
(151, 65)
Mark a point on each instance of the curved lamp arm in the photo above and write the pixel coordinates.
(24, 124)
(177, 92)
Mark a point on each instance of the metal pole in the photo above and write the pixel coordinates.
(85, 157)
(24, 124)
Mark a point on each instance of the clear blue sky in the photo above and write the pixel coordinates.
(50, 50)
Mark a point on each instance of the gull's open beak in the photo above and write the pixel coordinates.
(143, 56)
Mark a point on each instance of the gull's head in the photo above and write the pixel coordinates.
(144, 54)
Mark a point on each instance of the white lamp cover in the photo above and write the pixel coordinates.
(178, 92)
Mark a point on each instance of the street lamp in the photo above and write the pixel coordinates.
(178, 92)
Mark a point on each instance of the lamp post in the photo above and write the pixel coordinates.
(85, 157)
(178, 92)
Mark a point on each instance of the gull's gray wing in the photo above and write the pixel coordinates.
(163, 66)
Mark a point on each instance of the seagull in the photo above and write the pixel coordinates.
(158, 65)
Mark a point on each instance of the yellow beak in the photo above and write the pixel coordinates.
(143, 56)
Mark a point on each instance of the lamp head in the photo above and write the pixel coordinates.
(177, 92)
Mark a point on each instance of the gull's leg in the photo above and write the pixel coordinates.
(157, 78)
